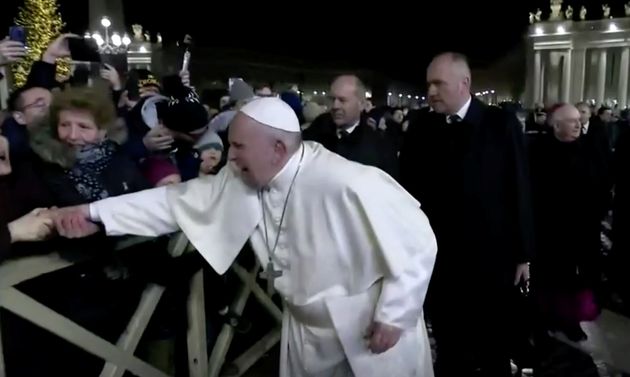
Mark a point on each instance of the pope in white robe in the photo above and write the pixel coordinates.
(354, 249)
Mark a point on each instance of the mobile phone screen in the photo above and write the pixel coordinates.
(83, 50)
(18, 34)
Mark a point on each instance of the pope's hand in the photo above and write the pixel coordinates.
(382, 337)
(74, 222)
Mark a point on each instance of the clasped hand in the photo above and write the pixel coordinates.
(74, 222)
(39, 224)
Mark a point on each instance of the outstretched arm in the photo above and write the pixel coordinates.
(145, 213)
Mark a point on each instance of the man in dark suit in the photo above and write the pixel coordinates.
(466, 164)
(594, 128)
(345, 130)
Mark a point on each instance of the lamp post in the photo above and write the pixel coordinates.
(114, 44)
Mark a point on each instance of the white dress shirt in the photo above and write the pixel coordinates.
(349, 130)
(462, 111)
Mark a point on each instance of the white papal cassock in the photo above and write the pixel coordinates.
(354, 248)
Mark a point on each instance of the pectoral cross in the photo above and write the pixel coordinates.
(270, 274)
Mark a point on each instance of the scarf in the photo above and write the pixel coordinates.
(91, 161)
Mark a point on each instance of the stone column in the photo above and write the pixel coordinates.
(601, 76)
(578, 72)
(566, 77)
(553, 77)
(622, 89)
(536, 93)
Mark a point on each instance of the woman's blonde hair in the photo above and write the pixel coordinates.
(96, 101)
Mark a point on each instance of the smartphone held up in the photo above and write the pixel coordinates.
(83, 49)
(18, 34)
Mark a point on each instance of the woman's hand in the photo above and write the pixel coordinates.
(34, 226)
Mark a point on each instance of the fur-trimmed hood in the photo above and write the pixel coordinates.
(48, 147)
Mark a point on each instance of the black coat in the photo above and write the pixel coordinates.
(472, 181)
(21, 192)
(122, 176)
(364, 145)
(597, 136)
(571, 196)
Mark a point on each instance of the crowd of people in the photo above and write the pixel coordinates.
(500, 196)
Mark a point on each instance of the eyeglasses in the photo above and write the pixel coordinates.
(39, 103)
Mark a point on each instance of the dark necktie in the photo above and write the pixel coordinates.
(343, 134)
(453, 119)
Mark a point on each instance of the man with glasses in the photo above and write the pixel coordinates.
(29, 103)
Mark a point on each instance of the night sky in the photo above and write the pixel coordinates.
(345, 34)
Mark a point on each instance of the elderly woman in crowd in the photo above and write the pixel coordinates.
(80, 145)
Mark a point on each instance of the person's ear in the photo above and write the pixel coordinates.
(280, 149)
(19, 117)
(466, 84)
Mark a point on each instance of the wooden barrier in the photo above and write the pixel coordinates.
(120, 357)
(245, 361)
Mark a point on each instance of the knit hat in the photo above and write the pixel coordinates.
(209, 140)
(156, 168)
(146, 78)
(241, 91)
(184, 111)
(151, 108)
(293, 99)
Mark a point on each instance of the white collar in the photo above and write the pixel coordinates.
(464, 109)
(349, 130)
(282, 180)
(585, 127)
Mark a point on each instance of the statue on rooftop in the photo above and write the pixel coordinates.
(606, 11)
(137, 32)
(556, 13)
